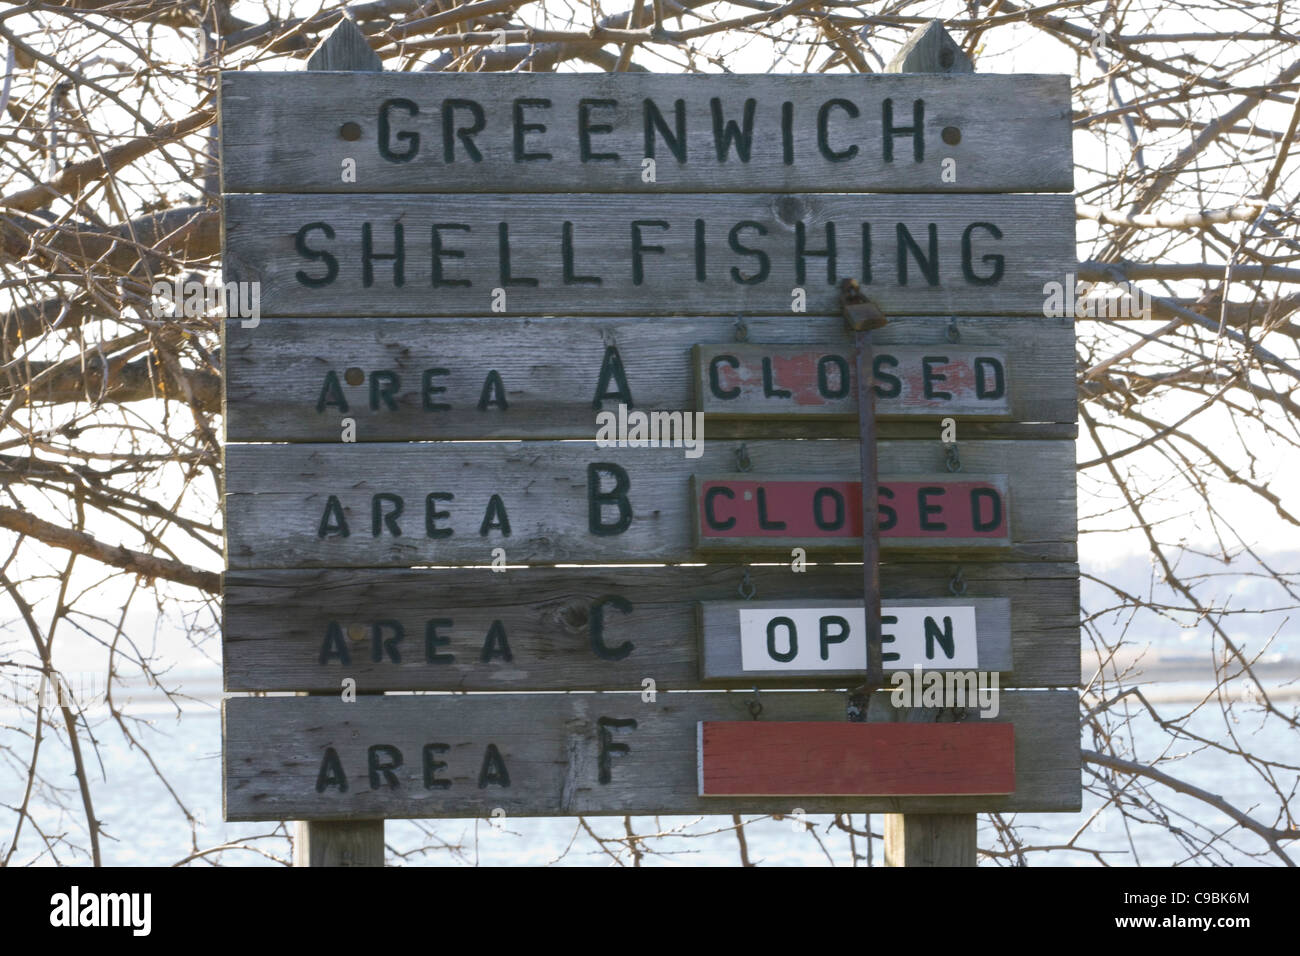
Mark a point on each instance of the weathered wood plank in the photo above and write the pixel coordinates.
(285, 132)
(562, 754)
(573, 502)
(757, 640)
(588, 254)
(280, 376)
(276, 624)
(745, 758)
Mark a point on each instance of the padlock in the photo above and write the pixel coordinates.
(863, 316)
(860, 313)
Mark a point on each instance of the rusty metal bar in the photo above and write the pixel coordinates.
(862, 316)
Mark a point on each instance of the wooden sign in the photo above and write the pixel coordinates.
(747, 513)
(638, 277)
(760, 639)
(773, 381)
(348, 505)
(718, 254)
(537, 629)
(544, 132)
(427, 378)
(763, 758)
(445, 755)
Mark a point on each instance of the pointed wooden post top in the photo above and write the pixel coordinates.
(930, 50)
(345, 48)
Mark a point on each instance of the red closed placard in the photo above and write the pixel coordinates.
(784, 508)
(821, 758)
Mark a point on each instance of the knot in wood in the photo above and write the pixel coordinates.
(790, 209)
(575, 615)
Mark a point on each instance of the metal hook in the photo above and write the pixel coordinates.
(746, 588)
(954, 460)
(957, 586)
(742, 458)
(742, 330)
(954, 334)
(755, 706)
(855, 710)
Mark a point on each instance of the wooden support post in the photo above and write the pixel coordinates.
(930, 839)
(341, 842)
(930, 50)
(345, 48)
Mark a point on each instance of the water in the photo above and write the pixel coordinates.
(143, 823)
